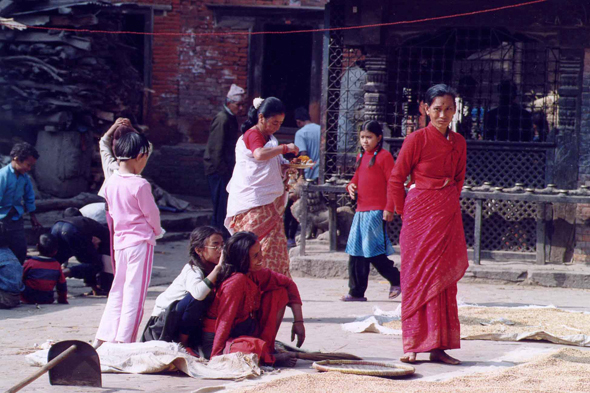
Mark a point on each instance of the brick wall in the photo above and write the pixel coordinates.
(191, 75)
(582, 248)
(190, 78)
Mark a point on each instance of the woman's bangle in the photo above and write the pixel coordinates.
(297, 321)
(285, 149)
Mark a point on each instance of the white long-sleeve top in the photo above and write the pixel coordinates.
(107, 159)
(190, 280)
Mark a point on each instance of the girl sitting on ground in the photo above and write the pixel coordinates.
(368, 243)
(250, 301)
(179, 309)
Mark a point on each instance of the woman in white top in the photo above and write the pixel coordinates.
(257, 189)
(179, 309)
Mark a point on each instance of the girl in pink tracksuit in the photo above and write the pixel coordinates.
(135, 227)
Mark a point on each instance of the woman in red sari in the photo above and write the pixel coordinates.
(432, 241)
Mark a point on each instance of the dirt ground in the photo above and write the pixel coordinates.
(27, 325)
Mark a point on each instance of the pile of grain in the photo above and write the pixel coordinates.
(565, 370)
(476, 321)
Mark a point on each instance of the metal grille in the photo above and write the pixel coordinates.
(345, 106)
(507, 84)
(507, 87)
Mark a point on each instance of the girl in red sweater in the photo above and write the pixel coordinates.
(368, 242)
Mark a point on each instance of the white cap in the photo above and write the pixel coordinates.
(235, 93)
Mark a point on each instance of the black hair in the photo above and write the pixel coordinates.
(131, 145)
(197, 240)
(374, 127)
(236, 255)
(439, 90)
(72, 212)
(270, 107)
(47, 245)
(302, 114)
(119, 132)
(22, 151)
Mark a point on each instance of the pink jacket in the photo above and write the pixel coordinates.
(131, 205)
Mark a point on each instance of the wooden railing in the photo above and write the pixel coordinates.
(480, 194)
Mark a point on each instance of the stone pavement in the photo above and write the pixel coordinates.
(321, 263)
(27, 325)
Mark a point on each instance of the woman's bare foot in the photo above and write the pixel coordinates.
(409, 357)
(285, 359)
(438, 355)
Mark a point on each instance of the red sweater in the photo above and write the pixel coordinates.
(433, 162)
(372, 182)
(239, 296)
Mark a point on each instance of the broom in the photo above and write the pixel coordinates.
(317, 356)
(314, 356)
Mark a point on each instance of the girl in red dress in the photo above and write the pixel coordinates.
(432, 241)
(368, 243)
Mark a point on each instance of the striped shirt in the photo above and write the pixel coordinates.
(40, 276)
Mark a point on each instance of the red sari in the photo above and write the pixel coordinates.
(432, 241)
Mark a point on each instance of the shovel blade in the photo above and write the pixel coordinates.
(81, 368)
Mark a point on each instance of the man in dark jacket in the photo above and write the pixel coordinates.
(220, 156)
(85, 239)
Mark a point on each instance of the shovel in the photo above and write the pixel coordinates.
(72, 363)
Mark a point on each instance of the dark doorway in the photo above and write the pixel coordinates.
(286, 68)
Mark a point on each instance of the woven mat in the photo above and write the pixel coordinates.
(567, 370)
(521, 323)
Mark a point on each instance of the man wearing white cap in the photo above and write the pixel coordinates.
(219, 158)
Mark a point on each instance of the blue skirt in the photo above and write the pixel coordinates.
(368, 236)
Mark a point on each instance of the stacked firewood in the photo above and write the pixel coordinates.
(67, 81)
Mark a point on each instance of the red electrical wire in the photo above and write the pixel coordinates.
(240, 33)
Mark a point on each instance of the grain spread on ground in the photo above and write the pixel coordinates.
(565, 370)
(480, 321)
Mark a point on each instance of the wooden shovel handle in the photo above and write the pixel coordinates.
(43, 369)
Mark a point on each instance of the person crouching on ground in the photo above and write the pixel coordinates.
(136, 225)
(179, 310)
(43, 273)
(250, 301)
(368, 242)
(88, 241)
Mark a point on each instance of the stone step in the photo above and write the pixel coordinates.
(319, 262)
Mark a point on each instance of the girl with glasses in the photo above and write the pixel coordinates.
(179, 309)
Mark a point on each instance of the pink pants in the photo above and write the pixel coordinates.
(124, 310)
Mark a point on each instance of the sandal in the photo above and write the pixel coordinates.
(349, 298)
(394, 291)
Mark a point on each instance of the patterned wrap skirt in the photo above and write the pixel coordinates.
(267, 223)
(368, 235)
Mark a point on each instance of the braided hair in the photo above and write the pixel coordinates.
(373, 127)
